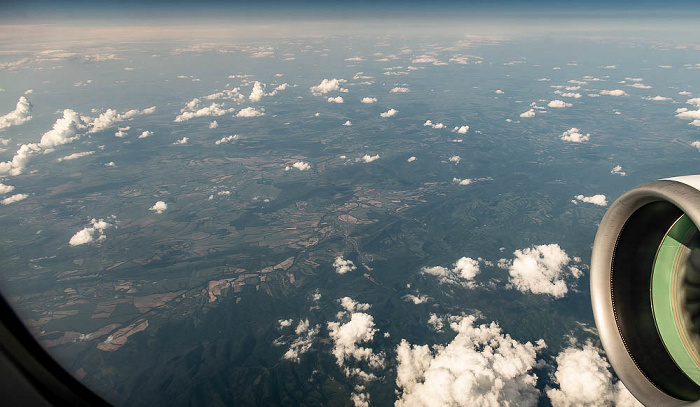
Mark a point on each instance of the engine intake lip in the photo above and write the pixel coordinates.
(621, 265)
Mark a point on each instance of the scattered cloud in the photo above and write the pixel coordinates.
(369, 158)
(347, 123)
(337, 99)
(14, 198)
(389, 113)
(455, 159)
(110, 118)
(617, 170)
(584, 379)
(559, 104)
(368, 100)
(461, 129)
(75, 155)
(20, 115)
(90, 234)
(6, 189)
(599, 199)
(615, 92)
(159, 207)
(529, 113)
(480, 366)
(258, 92)
(435, 322)
(461, 181)
(343, 266)
(305, 336)
(215, 109)
(358, 328)
(146, 134)
(183, 140)
(214, 124)
(429, 123)
(328, 85)
(462, 272)
(639, 86)
(416, 299)
(687, 114)
(540, 270)
(226, 139)
(399, 89)
(574, 135)
(411, 159)
(299, 165)
(250, 112)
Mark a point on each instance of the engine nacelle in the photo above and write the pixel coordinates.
(645, 290)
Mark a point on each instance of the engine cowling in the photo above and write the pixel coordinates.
(645, 290)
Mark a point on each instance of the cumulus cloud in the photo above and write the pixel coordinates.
(685, 113)
(368, 100)
(461, 181)
(6, 189)
(146, 134)
(640, 86)
(348, 336)
(226, 139)
(250, 112)
(389, 113)
(480, 366)
(462, 272)
(369, 158)
(570, 95)
(215, 109)
(214, 125)
(347, 123)
(258, 92)
(657, 98)
(399, 89)
(416, 299)
(599, 199)
(14, 198)
(328, 85)
(159, 207)
(540, 270)
(584, 379)
(343, 266)
(617, 170)
(529, 113)
(435, 323)
(337, 99)
(75, 156)
(90, 234)
(20, 115)
(299, 165)
(110, 117)
(305, 336)
(615, 92)
(183, 140)
(283, 323)
(455, 159)
(574, 135)
(411, 159)
(461, 129)
(559, 104)
(429, 123)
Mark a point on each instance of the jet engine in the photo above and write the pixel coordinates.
(645, 290)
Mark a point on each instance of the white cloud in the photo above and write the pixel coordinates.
(574, 135)
(684, 93)
(302, 343)
(462, 272)
(481, 366)
(122, 131)
(529, 113)
(214, 124)
(226, 139)
(20, 159)
(657, 98)
(110, 117)
(389, 113)
(369, 158)
(6, 189)
(343, 266)
(429, 123)
(435, 323)
(584, 379)
(215, 109)
(20, 115)
(250, 112)
(159, 207)
(461, 181)
(640, 86)
(283, 323)
(368, 100)
(455, 159)
(559, 104)
(347, 337)
(183, 140)
(684, 113)
(461, 129)
(347, 123)
(599, 199)
(617, 170)
(696, 144)
(399, 89)
(90, 234)
(14, 198)
(615, 92)
(328, 85)
(75, 155)
(539, 270)
(337, 99)
(610, 67)
(498, 92)
(299, 165)
(146, 134)
(258, 92)
(411, 159)
(416, 299)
